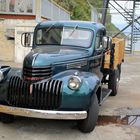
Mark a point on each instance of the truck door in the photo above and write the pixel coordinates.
(98, 54)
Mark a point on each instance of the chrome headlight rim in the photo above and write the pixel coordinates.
(74, 82)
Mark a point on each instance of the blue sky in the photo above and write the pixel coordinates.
(117, 19)
(120, 22)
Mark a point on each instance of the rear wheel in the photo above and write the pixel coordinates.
(113, 82)
(5, 118)
(119, 68)
(87, 125)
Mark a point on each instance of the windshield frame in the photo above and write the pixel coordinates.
(70, 27)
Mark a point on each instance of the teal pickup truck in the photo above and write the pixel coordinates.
(63, 77)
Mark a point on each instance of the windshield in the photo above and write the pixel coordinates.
(64, 36)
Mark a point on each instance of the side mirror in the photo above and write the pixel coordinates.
(26, 39)
(107, 42)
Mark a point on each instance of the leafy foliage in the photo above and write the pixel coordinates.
(80, 10)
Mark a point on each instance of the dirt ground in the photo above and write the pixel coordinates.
(127, 102)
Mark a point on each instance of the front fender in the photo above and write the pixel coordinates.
(78, 99)
(14, 72)
(5, 70)
(8, 72)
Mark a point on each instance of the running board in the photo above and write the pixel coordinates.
(105, 93)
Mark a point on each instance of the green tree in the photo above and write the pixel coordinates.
(80, 10)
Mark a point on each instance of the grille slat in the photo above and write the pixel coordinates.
(58, 96)
(57, 90)
(30, 70)
(14, 84)
(35, 96)
(35, 103)
(26, 94)
(46, 94)
(20, 91)
(54, 89)
(18, 87)
(50, 95)
(23, 97)
(41, 95)
(12, 81)
(35, 72)
(38, 75)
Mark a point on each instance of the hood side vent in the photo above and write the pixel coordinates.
(37, 73)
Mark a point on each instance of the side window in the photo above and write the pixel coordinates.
(98, 42)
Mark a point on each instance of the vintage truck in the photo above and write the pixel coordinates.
(72, 67)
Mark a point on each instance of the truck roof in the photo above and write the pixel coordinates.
(83, 24)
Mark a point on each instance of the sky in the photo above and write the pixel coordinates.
(119, 21)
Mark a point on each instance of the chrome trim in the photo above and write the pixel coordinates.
(78, 64)
(76, 77)
(54, 86)
(44, 114)
(57, 88)
(50, 86)
(1, 75)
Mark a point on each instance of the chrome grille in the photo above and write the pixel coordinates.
(37, 72)
(45, 95)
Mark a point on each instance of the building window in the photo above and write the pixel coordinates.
(3, 5)
(17, 6)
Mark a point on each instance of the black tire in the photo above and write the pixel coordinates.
(5, 118)
(87, 125)
(119, 68)
(113, 82)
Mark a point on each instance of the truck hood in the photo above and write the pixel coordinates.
(44, 56)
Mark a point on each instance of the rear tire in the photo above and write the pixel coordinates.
(87, 125)
(113, 82)
(119, 68)
(5, 118)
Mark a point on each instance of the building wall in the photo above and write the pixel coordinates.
(52, 11)
(23, 7)
(7, 46)
(14, 19)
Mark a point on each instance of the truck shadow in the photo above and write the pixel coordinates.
(43, 126)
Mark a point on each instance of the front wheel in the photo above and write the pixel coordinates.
(87, 125)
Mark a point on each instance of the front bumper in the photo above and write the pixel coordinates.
(44, 114)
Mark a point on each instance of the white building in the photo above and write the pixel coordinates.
(17, 16)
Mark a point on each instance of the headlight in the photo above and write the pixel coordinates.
(74, 83)
(1, 76)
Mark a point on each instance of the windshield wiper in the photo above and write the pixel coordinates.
(73, 31)
(50, 28)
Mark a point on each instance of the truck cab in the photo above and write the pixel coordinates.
(63, 75)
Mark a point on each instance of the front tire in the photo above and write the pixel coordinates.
(87, 125)
(5, 118)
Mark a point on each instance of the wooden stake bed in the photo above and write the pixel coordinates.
(118, 54)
